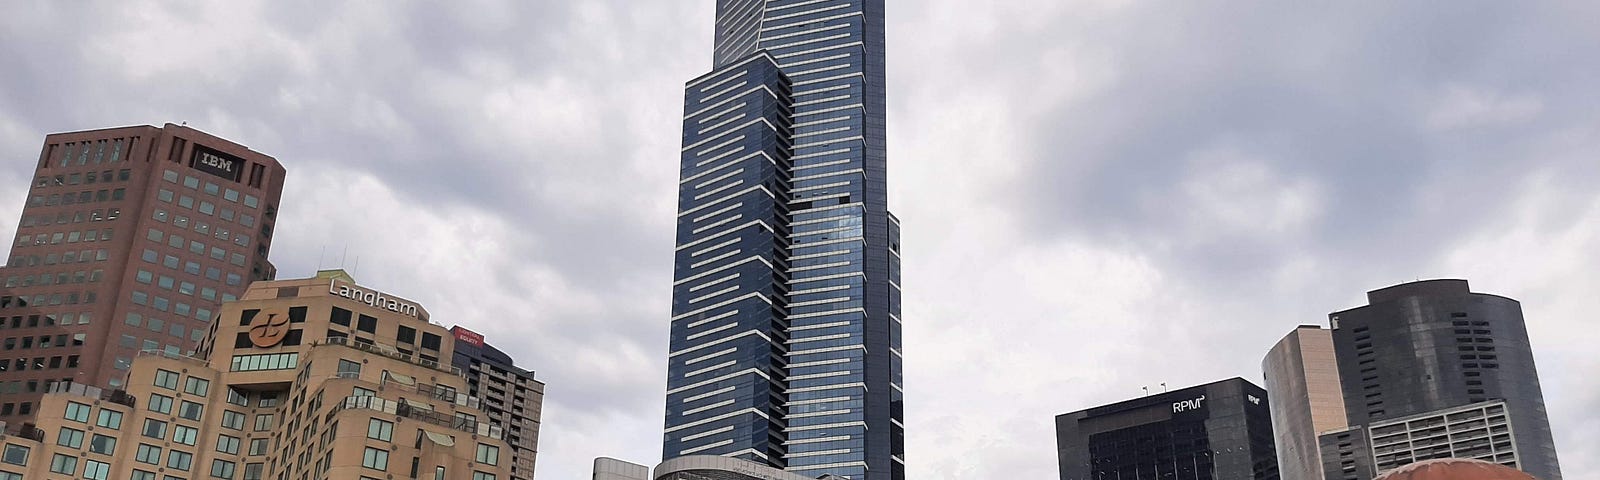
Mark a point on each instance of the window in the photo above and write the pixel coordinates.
(184, 435)
(482, 476)
(258, 446)
(77, 412)
(340, 316)
(233, 420)
(190, 410)
(15, 455)
(263, 422)
(375, 459)
(63, 464)
(349, 369)
(227, 444)
(93, 470)
(252, 471)
(150, 454)
(488, 454)
(111, 419)
(103, 445)
(380, 430)
(180, 460)
(142, 475)
(238, 398)
(367, 324)
(154, 429)
(222, 469)
(160, 403)
(362, 392)
(70, 438)
(270, 361)
(165, 379)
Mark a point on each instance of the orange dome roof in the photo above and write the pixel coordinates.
(1454, 469)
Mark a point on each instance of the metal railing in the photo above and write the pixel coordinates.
(425, 415)
(395, 354)
(174, 356)
(119, 397)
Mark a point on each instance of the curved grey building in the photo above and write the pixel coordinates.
(1424, 348)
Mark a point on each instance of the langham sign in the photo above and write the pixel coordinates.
(373, 298)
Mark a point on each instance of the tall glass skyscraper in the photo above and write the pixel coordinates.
(785, 344)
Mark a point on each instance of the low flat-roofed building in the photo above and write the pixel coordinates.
(1221, 431)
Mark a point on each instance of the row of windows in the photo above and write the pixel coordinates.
(63, 218)
(57, 238)
(86, 196)
(189, 267)
(194, 246)
(59, 278)
(92, 152)
(175, 329)
(205, 207)
(171, 284)
(81, 318)
(164, 304)
(70, 298)
(39, 364)
(269, 361)
(88, 178)
(211, 189)
(44, 341)
(82, 256)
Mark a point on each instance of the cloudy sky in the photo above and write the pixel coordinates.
(1097, 195)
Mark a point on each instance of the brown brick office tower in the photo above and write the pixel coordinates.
(130, 240)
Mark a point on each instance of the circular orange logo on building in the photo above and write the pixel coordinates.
(269, 327)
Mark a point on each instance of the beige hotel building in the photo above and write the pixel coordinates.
(316, 378)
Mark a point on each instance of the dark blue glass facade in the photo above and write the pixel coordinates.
(786, 302)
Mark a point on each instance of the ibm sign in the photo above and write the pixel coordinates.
(217, 163)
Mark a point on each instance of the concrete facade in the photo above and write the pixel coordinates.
(309, 378)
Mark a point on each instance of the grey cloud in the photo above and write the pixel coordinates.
(1177, 183)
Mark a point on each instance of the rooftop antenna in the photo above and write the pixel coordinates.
(1163, 387)
(1146, 390)
(322, 256)
(357, 267)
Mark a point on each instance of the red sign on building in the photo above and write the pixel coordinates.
(468, 336)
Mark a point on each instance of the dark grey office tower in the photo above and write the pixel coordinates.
(1219, 431)
(512, 398)
(1433, 358)
(785, 338)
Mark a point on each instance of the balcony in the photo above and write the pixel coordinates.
(422, 414)
(27, 430)
(181, 358)
(387, 351)
(119, 397)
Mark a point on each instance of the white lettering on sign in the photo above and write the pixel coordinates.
(216, 161)
(1253, 399)
(372, 298)
(1187, 405)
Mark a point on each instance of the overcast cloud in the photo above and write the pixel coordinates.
(1097, 195)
